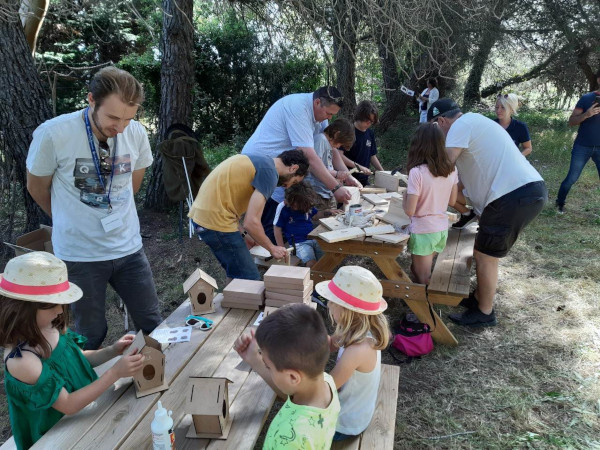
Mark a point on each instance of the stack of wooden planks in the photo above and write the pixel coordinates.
(287, 284)
(244, 294)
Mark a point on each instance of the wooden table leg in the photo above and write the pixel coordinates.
(390, 268)
(440, 333)
(328, 262)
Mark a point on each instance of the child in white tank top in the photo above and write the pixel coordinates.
(356, 307)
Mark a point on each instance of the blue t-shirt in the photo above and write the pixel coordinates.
(295, 224)
(518, 131)
(589, 130)
(364, 147)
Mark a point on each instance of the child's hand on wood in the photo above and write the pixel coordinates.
(128, 365)
(120, 346)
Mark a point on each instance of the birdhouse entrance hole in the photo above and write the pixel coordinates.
(201, 298)
(149, 372)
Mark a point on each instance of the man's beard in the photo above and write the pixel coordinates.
(285, 178)
(95, 120)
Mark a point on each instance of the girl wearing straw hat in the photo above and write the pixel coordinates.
(46, 374)
(356, 308)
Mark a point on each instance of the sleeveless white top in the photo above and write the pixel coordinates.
(358, 397)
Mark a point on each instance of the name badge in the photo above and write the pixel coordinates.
(111, 222)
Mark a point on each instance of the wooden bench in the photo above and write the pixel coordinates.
(451, 276)
(380, 432)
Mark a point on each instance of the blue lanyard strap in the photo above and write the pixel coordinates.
(95, 158)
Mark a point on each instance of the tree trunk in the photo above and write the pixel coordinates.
(344, 48)
(176, 86)
(23, 106)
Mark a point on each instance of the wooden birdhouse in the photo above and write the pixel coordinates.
(200, 288)
(208, 403)
(151, 378)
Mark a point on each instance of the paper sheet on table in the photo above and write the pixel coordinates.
(258, 320)
(172, 335)
(407, 91)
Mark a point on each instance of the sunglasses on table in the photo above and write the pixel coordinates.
(199, 323)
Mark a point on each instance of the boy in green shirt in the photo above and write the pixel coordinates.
(294, 348)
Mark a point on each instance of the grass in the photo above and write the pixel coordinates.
(530, 382)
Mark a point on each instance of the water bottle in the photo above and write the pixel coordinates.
(163, 437)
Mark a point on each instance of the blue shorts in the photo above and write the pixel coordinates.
(308, 250)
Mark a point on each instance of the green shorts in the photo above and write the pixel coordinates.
(428, 243)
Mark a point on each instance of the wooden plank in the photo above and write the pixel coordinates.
(249, 412)
(460, 280)
(347, 444)
(315, 232)
(386, 180)
(342, 235)
(375, 199)
(232, 368)
(262, 252)
(294, 261)
(287, 297)
(442, 270)
(361, 248)
(390, 195)
(203, 364)
(380, 432)
(390, 268)
(441, 334)
(394, 238)
(328, 262)
(9, 444)
(332, 223)
(379, 229)
(404, 290)
(70, 429)
(373, 190)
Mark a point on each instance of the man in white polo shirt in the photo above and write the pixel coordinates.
(290, 123)
(505, 190)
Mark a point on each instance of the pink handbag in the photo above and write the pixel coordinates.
(413, 339)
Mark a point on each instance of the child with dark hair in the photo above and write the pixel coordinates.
(294, 220)
(432, 186)
(338, 134)
(46, 374)
(289, 351)
(363, 153)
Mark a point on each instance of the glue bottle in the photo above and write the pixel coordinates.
(163, 437)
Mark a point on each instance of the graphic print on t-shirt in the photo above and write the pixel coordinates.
(91, 191)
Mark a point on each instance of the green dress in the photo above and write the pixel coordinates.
(30, 405)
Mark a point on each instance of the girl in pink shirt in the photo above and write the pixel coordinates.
(432, 186)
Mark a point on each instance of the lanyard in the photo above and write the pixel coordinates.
(90, 136)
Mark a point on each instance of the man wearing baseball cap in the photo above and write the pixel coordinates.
(507, 193)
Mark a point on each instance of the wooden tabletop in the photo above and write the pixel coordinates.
(120, 420)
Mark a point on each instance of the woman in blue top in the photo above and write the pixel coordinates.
(506, 107)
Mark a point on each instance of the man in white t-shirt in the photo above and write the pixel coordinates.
(83, 169)
(290, 123)
(505, 190)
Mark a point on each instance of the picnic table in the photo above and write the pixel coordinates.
(397, 285)
(120, 420)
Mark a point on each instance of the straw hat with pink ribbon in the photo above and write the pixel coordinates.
(354, 288)
(38, 277)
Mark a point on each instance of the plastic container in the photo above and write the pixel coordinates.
(163, 437)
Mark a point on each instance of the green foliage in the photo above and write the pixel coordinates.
(239, 76)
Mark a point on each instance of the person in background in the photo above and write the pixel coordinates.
(339, 133)
(289, 351)
(506, 192)
(83, 169)
(240, 186)
(363, 153)
(427, 98)
(506, 107)
(294, 220)
(432, 186)
(291, 123)
(587, 143)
